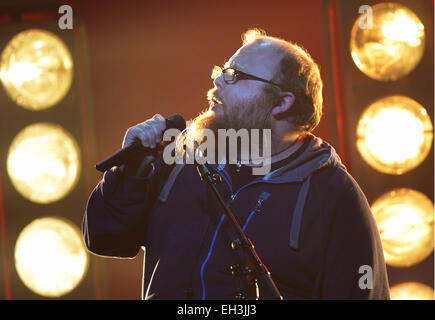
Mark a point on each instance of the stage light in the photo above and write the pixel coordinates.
(394, 134)
(44, 162)
(36, 69)
(389, 47)
(405, 220)
(411, 291)
(50, 256)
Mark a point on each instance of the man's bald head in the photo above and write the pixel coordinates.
(296, 71)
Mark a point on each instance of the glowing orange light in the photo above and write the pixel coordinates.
(405, 220)
(36, 69)
(411, 291)
(394, 134)
(44, 162)
(50, 256)
(392, 46)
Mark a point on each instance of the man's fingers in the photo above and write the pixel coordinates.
(157, 133)
(149, 132)
(144, 139)
(160, 120)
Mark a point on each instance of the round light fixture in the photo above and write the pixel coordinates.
(411, 291)
(405, 219)
(51, 257)
(394, 134)
(44, 162)
(390, 44)
(36, 69)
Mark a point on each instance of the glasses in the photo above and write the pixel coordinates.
(231, 76)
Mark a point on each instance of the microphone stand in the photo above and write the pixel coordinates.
(256, 270)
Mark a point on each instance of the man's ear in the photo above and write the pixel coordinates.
(287, 100)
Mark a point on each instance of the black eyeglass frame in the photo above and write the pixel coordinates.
(239, 75)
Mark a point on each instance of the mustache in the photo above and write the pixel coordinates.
(212, 94)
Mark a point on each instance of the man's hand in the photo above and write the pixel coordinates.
(150, 134)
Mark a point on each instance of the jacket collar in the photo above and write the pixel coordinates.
(317, 155)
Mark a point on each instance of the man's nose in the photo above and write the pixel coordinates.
(218, 81)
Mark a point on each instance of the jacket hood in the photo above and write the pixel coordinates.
(316, 155)
(313, 154)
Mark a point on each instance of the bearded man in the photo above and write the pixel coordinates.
(308, 218)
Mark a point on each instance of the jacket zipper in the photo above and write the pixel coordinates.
(232, 197)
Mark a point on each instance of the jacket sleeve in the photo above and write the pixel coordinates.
(115, 220)
(354, 266)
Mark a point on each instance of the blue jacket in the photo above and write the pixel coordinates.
(309, 221)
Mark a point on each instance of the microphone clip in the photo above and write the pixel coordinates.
(206, 173)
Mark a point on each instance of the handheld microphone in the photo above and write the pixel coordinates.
(120, 157)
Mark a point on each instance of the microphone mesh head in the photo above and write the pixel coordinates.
(176, 121)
